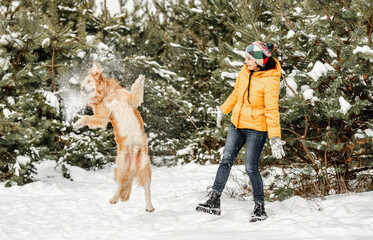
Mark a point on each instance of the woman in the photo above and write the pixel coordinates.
(255, 115)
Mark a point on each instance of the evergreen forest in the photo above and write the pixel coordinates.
(190, 52)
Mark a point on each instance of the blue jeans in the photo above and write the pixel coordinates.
(236, 139)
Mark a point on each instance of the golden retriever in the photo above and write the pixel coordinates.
(112, 103)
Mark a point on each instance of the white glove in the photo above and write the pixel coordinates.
(276, 146)
(219, 117)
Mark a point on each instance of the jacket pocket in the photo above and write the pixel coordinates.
(257, 114)
(246, 113)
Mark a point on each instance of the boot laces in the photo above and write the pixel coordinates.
(258, 208)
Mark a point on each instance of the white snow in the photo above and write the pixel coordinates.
(360, 134)
(240, 53)
(74, 80)
(332, 54)
(308, 94)
(114, 27)
(234, 63)
(153, 63)
(81, 54)
(111, 5)
(196, 10)
(345, 106)
(210, 50)
(319, 69)
(67, 9)
(46, 42)
(11, 100)
(164, 73)
(7, 113)
(7, 76)
(4, 63)
(304, 88)
(90, 39)
(104, 53)
(364, 49)
(16, 168)
(186, 151)
(290, 34)
(73, 102)
(229, 75)
(291, 82)
(299, 54)
(175, 45)
(23, 160)
(56, 208)
(51, 99)
(298, 9)
(7, 39)
(18, 44)
(4, 40)
(369, 132)
(102, 46)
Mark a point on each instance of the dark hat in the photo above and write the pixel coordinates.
(259, 52)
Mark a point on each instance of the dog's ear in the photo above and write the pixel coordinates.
(95, 70)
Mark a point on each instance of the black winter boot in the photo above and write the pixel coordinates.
(259, 213)
(212, 205)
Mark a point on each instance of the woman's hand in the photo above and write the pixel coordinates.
(219, 117)
(276, 146)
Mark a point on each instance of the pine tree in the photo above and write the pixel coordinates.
(185, 70)
(28, 125)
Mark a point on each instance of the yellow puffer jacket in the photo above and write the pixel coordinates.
(261, 111)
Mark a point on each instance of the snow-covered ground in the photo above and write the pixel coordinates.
(57, 208)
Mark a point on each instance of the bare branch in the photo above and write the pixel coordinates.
(284, 15)
(283, 77)
(303, 142)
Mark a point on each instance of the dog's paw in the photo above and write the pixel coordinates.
(114, 200)
(140, 80)
(150, 209)
(78, 124)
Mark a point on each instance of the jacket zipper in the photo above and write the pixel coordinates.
(248, 87)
